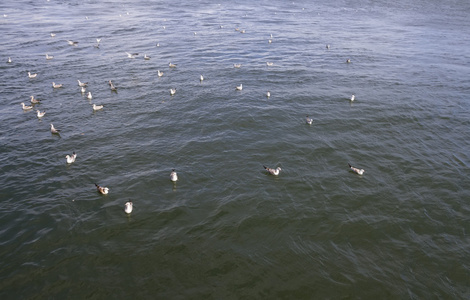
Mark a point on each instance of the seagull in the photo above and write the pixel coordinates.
(242, 31)
(352, 97)
(158, 45)
(268, 94)
(83, 90)
(40, 114)
(9, 60)
(128, 207)
(172, 65)
(327, 46)
(173, 175)
(239, 88)
(52, 34)
(237, 65)
(273, 171)
(270, 41)
(356, 170)
(201, 78)
(132, 55)
(89, 96)
(160, 74)
(48, 57)
(97, 43)
(146, 57)
(97, 107)
(56, 86)
(172, 91)
(309, 120)
(269, 64)
(113, 88)
(82, 83)
(53, 130)
(72, 43)
(71, 158)
(32, 75)
(35, 100)
(26, 107)
(101, 189)
(348, 60)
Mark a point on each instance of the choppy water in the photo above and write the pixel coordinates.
(226, 229)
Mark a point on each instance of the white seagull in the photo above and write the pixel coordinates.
(173, 175)
(132, 55)
(273, 171)
(160, 74)
(49, 57)
(52, 34)
(26, 107)
(112, 86)
(56, 86)
(71, 158)
(40, 114)
(172, 65)
(201, 78)
(356, 170)
(328, 46)
(32, 75)
(89, 96)
(83, 89)
(54, 130)
(103, 190)
(269, 64)
(237, 65)
(82, 83)
(128, 207)
(308, 120)
(35, 100)
(352, 97)
(348, 60)
(172, 91)
(97, 107)
(9, 60)
(268, 94)
(239, 88)
(146, 57)
(72, 43)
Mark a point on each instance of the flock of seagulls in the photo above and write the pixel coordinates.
(83, 86)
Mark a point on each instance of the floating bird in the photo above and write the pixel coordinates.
(237, 65)
(54, 130)
(172, 91)
(52, 34)
(309, 120)
(112, 86)
(72, 43)
(201, 78)
(83, 89)
(89, 96)
(242, 31)
(97, 43)
(49, 57)
(128, 207)
(158, 45)
(132, 55)
(273, 171)
(356, 170)
(82, 83)
(268, 94)
(34, 100)
(173, 175)
(56, 86)
(26, 107)
(71, 158)
(146, 57)
(352, 97)
(348, 60)
(32, 75)
(97, 107)
(269, 64)
(270, 41)
(101, 189)
(9, 60)
(172, 65)
(160, 74)
(327, 46)
(40, 114)
(239, 88)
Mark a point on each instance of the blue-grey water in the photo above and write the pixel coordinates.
(227, 229)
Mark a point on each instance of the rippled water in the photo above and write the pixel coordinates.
(226, 229)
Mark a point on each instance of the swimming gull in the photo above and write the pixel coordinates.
(97, 107)
(89, 96)
(128, 207)
(32, 75)
(103, 190)
(239, 88)
(172, 91)
(356, 170)
(71, 158)
(34, 100)
(56, 86)
(273, 171)
(49, 57)
(40, 114)
(82, 83)
(352, 97)
(54, 130)
(26, 107)
(173, 175)
(308, 120)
